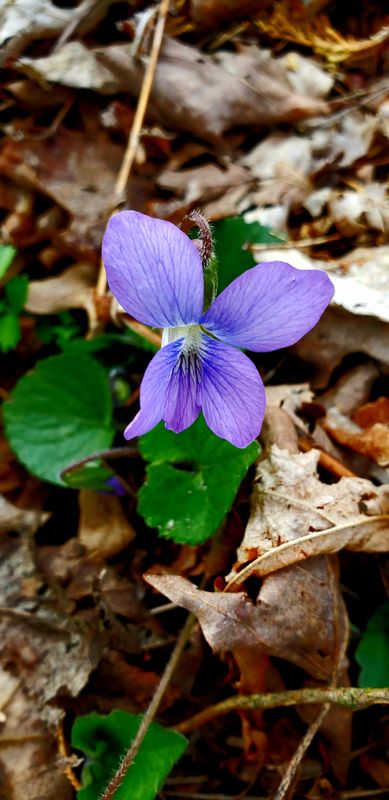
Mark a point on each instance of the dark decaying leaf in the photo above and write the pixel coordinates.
(50, 659)
(213, 95)
(283, 622)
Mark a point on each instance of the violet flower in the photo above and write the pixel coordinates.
(155, 272)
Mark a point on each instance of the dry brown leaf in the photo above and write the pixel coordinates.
(372, 441)
(370, 413)
(204, 183)
(365, 209)
(341, 141)
(283, 622)
(76, 170)
(21, 520)
(295, 516)
(210, 13)
(352, 389)
(103, 529)
(73, 65)
(209, 95)
(48, 658)
(29, 753)
(339, 333)
(73, 288)
(22, 23)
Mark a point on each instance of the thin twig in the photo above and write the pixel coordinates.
(295, 762)
(340, 647)
(151, 711)
(133, 139)
(350, 697)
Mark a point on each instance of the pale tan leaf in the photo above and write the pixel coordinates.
(22, 520)
(73, 288)
(73, 65)
(103, 529)
(295, 516)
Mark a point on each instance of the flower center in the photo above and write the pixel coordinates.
(189, 357)
(190, 333)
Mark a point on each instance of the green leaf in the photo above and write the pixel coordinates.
(9, 332)
(231, 236)
(93, 475)
(372, 653)
(105, 739)
(7, 255)
(58, 414)
(16, 292)
(191, 482)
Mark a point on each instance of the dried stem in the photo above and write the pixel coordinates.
(350, 697)
(151, 711)
(295, 762)
(340, 642)
(133, 139)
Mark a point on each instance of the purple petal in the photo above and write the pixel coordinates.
(232, 394)
(181, 405)
(270, 306)
(153, 269)
(153, 391)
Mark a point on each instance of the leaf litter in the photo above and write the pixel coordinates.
(277, 116)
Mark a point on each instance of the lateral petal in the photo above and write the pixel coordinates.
(270, 306)
(153, 269)
(232, 394)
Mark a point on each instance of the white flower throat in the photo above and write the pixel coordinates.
(190, 333)
(189, 358)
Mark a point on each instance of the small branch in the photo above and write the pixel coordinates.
(350, 697)
(295, 762)
(151, 711)
(133, 139)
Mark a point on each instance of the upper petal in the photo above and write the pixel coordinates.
(232, 394)
(153, 269)
(270, 306)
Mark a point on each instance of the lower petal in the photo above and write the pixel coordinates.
(181, 403)
(153, 391)
(231, 394)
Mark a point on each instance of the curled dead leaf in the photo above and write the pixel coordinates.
(104, 529)
(295, 516)
(29, 755)
(213, 94)
(283, 622)
(21, 520)
(372, 442)
(73, 288)
(48, 657)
